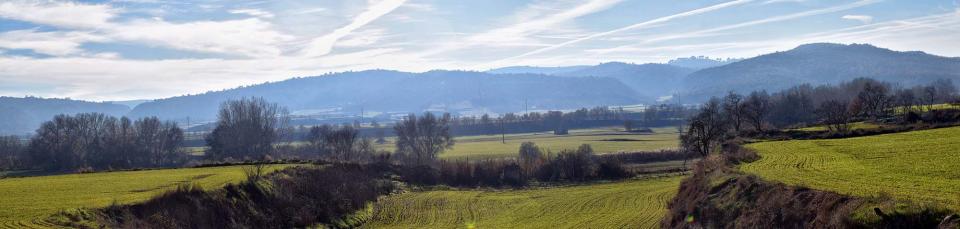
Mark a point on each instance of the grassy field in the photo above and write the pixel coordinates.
(853, 126)
(603, 140)
(26, 202)
(630, 204)
(919, 165)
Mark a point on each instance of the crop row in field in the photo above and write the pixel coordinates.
(26, 202)
(629, 204)
(918, 165)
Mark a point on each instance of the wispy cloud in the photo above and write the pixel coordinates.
(58, 13)
(865, 19)
(253, 12)
(640, 25)
(716, 30)
(251, 37)
(48, 43)
(323, 45)
(248, 37)
(781, 1)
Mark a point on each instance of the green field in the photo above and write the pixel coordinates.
(26, 202)
(853, 126)
(603, 140)
(629, 204)
(921, 166)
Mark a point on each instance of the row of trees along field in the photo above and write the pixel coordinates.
(835, 106)
(420, 140)
(509, 123)
(94, 141)
(254, 129)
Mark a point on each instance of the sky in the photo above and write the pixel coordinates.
(148, 49)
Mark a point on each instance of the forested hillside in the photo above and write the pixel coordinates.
(393, 91)
(819, 64)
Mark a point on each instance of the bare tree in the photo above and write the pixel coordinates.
(530, 157)
(628, 125)
(756, 108)
(733, 106)
(342, 142)
(706, 129)
(246, 128)
(11, 151)
(836, 115)
(873, 101)
(423, 139)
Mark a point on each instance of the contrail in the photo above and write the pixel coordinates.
(635, 26)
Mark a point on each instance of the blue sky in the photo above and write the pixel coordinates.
(142, 49)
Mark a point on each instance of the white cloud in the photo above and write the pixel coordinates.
(253, 12)
(363, 38)
(865, 19)
(528, 26)
(58, 13)
(717, 30)
(248, 37)
(49, 43)
(310, 11)
(323, 45)
(782, 1)
(645, 24)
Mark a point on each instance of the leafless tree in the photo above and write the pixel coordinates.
(707, 128)
(873, 101)
(733, 106)
(756, 108)
(246, 128)
(11, 152)
(423, 139)
(836, 115)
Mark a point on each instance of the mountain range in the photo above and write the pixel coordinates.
(522, 88)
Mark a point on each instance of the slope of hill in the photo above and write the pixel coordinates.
(821, 64)
(650, 80)
(24, 115)
(535, 70)
(392, 91)
(700, 62)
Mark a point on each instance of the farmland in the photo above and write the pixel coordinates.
(28, 201)
(919, 165)
(629, 204)
(603, 140)
(852, 126)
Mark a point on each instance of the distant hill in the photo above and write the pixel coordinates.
(24, 115)
(649, 80)
(130, 103)
(700, 62)
(817, 64)
(535, 70)
(393, 91)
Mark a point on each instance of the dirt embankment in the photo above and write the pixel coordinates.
(718, 196)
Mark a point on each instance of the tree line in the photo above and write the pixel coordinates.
(835, 106)
(95, 141)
